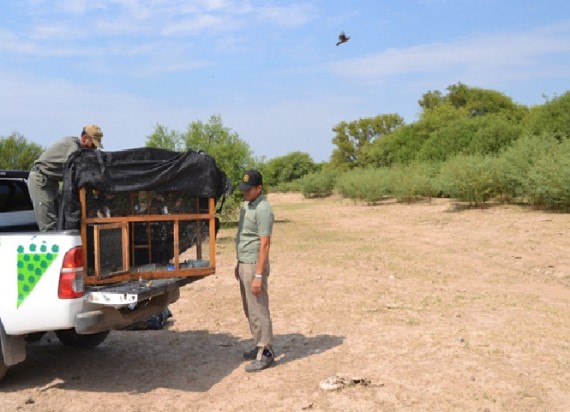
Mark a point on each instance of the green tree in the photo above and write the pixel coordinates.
(16, 153)
(162, 138)
(353, 138)
(400, 146)
(431, 100)
(466, 120)
(232, 154)
(470, 135)
(288, 168)
(553, 117)
(479, 102)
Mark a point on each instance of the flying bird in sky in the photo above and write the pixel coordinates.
(342, 38)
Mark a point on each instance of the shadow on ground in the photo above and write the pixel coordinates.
(141, 361)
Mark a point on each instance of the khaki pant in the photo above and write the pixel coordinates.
(44, 195)
(256, 308)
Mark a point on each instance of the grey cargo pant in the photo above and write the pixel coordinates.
(256, 308)
(44, 194)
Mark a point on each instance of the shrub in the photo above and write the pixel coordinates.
(318, 184)
(284, 187)
(370, 185)
(512, 166)
(548, 182)
(467, 178)
(408, 183)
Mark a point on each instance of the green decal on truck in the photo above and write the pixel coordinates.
(32, 264)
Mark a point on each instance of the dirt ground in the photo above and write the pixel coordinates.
(422, 307)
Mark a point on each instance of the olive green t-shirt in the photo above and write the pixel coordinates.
(255, 220)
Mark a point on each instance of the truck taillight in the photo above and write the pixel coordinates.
(71, 284)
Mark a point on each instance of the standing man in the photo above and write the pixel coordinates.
(252, 269)
(47, 172)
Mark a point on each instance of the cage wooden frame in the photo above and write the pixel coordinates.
(126, 224)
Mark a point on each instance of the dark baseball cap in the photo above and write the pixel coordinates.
(250, 179)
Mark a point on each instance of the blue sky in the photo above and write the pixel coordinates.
(269, 68)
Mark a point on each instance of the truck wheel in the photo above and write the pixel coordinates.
(71, 338)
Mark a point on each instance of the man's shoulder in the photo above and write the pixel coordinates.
(263, 202)
(71, 139)
(67, 141)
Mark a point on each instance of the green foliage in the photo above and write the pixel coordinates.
(449, 140)
(479, 102)
(369, 185)
(353, 138)
(412, 182)
(288, 168)
(294, 186)
(406, 183)
(16, 153)
(467, 178)
(470, 135)
(494, 133)
(319, 184)
(434, 119)
(471, 144)
(552, 117)
(162, 138)
(513, 165)
(465, 121)
(399, 147)
(548, 182)
(232, 154)
(431, 100)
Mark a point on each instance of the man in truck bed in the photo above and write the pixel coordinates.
(47, 172)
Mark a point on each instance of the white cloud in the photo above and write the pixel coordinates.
(198, 24)
(291, 16)
(502, 53)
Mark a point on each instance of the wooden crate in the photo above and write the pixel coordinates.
(142, 238)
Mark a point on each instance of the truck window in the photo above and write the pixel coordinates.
(14, 196)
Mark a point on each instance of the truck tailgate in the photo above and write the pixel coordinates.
(131, 292)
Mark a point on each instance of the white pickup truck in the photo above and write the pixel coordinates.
(43, 287)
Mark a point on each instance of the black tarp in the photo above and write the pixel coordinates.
(130, 170)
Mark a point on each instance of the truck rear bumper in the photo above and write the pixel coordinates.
(110, 317)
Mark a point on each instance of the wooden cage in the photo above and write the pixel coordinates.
(146, 235)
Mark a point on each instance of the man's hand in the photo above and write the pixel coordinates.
(256, 285)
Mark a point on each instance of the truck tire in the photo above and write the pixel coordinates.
(71, 338)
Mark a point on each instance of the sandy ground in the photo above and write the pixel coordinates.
(422, 307)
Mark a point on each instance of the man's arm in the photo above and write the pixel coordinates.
(262, 259)
(263, 255)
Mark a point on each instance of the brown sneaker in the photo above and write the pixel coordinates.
(267, 359)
